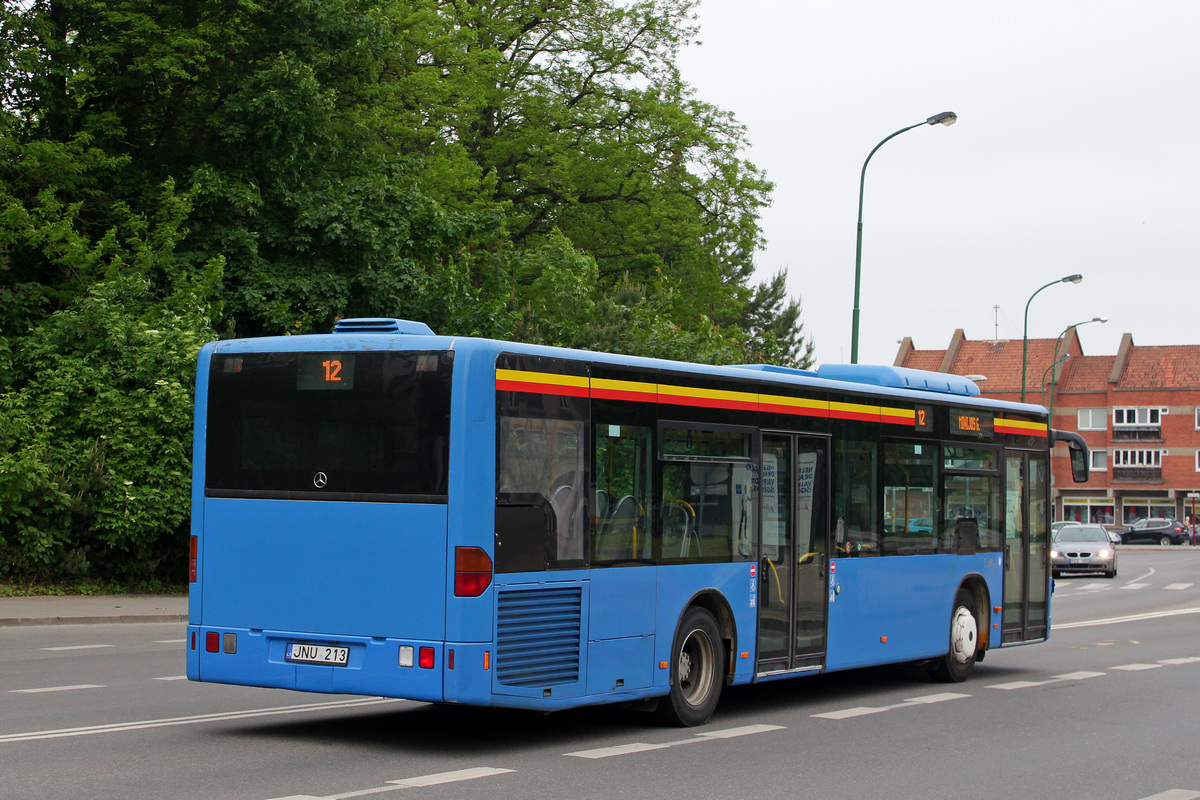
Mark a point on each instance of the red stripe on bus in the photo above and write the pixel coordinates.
(531, 387)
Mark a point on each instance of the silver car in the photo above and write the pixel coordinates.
(1083, 548)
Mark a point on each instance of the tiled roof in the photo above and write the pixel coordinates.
(925, 359)
(1087, 374)
(1173, 367)
(1168, 367)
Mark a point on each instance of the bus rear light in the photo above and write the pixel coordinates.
(472, 571)
(406, 655)
(212, 642)
(192, 560)
(230, 643)
(425, 658)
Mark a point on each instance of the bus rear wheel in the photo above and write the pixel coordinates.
(697, 670)
(956, 665)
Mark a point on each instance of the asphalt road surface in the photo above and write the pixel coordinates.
(1106, 710)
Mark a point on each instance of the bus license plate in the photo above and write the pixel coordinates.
(317, 654)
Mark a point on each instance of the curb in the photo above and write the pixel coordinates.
(23, 622)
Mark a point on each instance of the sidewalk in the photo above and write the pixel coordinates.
(94, 610)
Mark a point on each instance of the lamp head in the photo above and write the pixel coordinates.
(1072, 278)
(946, 118)
(1099, 319)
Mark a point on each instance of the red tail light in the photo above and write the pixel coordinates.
(192, 560)
(212, 642)
(425, 658)
(472, 571)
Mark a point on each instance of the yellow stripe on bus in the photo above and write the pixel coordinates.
(550, 378)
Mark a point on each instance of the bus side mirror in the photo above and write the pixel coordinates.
(1078, 450)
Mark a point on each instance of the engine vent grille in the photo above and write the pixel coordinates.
(538, 636)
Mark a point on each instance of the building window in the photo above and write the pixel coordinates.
(1099, 460)
(1096, 419)
(1137, 416)
(1198, 461)
(1137, 458)
(1198, 419)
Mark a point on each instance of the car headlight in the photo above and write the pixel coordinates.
(1054, 554)
(1105, 553)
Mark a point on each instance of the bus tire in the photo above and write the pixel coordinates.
(956, 665)
(697, 670)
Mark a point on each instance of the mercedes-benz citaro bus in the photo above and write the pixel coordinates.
(383, 511)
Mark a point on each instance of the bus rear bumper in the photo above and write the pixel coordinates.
(377, 666)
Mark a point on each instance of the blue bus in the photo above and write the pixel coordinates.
(384, 511)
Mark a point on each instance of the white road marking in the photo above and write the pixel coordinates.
(642, 747)
(745, 730)
(170, 641)
(57, 688)
(617, 750)
(1131, 618)
(450, 777)
(1178, 586)
(409, 783)
(173, 678)
(1070, 676)
(1135, 586)
(1136, 667)
(1174, 794)
(78, 647)
(63, 733)
(860, 711)
(1187, 660)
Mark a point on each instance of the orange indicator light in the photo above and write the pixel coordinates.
(664, 664)
(883, 640)
(487, 659)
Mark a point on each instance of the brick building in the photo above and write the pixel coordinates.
(1138, 411)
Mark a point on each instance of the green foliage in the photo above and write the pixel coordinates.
(529, 169)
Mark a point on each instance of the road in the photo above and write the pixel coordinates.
(1105, 710)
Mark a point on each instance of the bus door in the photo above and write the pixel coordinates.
(1026, 546)
(793, 570)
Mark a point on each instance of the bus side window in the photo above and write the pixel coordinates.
(540, 466)
(624, 475)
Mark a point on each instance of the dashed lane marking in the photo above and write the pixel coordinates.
(860, 711)
(78, 647)
(1131, 618)
(1178, 586)
(1135, 586)
(63, 733)
(1174, 794)
(1070, 676)
(642, 747)
(1136, 667)
(173, 678)
(409, 783)
(56, 688)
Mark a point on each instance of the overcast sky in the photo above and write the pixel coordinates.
(1077, 149)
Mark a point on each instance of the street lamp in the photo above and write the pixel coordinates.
(1055, 363)
(1046, 372)
(946, 118)
(1025, 334)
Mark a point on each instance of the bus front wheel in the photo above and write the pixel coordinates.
(697, 670)
(956, 665)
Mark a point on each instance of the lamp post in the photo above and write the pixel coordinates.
(1025, 333)
(1046, 372)
(946, 118)
(1056, 343)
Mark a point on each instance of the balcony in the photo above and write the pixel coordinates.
(1137, 474)
(1137, 433)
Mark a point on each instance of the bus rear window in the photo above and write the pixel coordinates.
(329, 426)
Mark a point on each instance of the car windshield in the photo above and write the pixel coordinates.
(1081, 533)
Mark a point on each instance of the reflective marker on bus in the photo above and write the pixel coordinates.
(388, 512)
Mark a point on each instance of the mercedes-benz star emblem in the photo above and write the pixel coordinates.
(319, 480)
